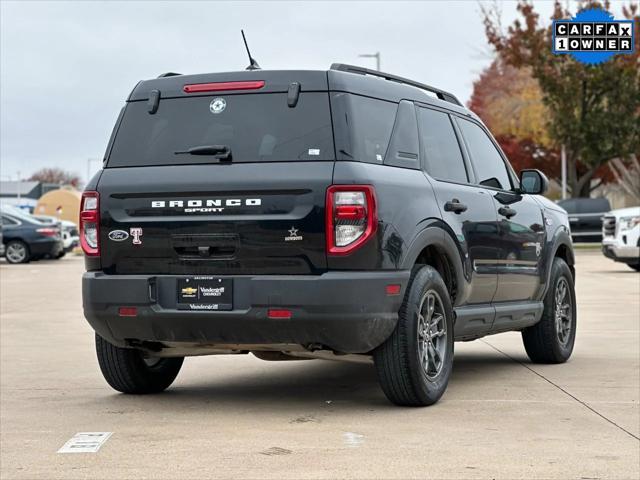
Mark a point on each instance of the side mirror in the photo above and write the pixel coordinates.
(533, 182)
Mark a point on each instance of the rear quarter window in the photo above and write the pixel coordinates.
(256, 127)
(363, 126)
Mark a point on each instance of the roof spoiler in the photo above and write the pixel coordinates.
(441, 94)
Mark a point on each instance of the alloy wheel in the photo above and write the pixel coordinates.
(563, 311)
(432, 334)
(16, 252)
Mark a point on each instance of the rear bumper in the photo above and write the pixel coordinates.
(41, 247)
(346, 311)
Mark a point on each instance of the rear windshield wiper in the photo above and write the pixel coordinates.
(223, 152)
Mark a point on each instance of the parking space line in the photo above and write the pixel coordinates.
(562, 390)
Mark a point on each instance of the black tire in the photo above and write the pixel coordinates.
(17, 245)
(636, 267)
(398, 362)
(544, 342)
(126, 371)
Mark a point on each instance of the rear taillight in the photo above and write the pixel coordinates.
(221, 86)
(90, 223)
(48, 232)
(351, 217)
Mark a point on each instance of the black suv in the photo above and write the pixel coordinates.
(316, 214)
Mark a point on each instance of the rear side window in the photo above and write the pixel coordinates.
(363, 126)
(8, 220)
(442, 153)
(491, 169)
(256, 127)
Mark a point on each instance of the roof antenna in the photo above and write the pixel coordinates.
(253, 65)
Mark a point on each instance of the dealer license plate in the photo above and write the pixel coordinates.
(205, 293)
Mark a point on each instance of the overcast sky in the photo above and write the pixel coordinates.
(66, 67)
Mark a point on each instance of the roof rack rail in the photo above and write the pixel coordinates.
(169, 74)
(441, 94)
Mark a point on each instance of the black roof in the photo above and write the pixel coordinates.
(339, 77)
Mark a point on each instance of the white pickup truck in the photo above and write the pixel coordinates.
(621, 236)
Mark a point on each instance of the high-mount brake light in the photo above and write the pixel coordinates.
(221, 86)
(90, 223)
(351, 217)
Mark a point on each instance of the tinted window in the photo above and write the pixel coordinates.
(442, 151)
(8, 221)
(585, 205)
(491, 169)
(363, 127)
(256, 127)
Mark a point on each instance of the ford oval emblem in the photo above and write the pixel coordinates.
(118, 235)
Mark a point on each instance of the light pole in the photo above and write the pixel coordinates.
(373, 55)
(563, 166)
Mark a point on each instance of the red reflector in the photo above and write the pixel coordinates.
(218, 86)
(89, 216)
(350, 212)
(273, 313)
(393, 289)
(128, 311)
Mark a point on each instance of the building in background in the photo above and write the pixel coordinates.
(62, 203)
(24, 194)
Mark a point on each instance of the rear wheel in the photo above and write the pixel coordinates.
(129, 371)
(551, 340)
(17, 252)
(415, 362)
(636, 267)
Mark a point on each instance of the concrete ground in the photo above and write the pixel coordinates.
(502, 417)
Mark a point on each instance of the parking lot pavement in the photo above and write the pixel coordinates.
(502, 417)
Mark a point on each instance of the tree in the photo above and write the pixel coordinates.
(627, 175)
(594, 110)
(509, 102)
(56, 175)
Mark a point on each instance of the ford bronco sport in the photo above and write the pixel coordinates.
(316, 214)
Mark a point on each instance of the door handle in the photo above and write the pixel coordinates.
(507, 212)
(455, 206)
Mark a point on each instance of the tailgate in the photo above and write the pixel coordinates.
(245, 218)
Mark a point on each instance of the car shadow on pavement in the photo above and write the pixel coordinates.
(280, 386)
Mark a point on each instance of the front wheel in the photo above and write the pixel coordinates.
(551, 340)
(636, 266)
(128, 371)
(414, 364)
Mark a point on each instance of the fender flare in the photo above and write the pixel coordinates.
(443, 241)
(561, 238)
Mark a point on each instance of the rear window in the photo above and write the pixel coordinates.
(585, 205)
(256, 127)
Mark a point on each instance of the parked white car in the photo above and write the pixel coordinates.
(621, 236)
